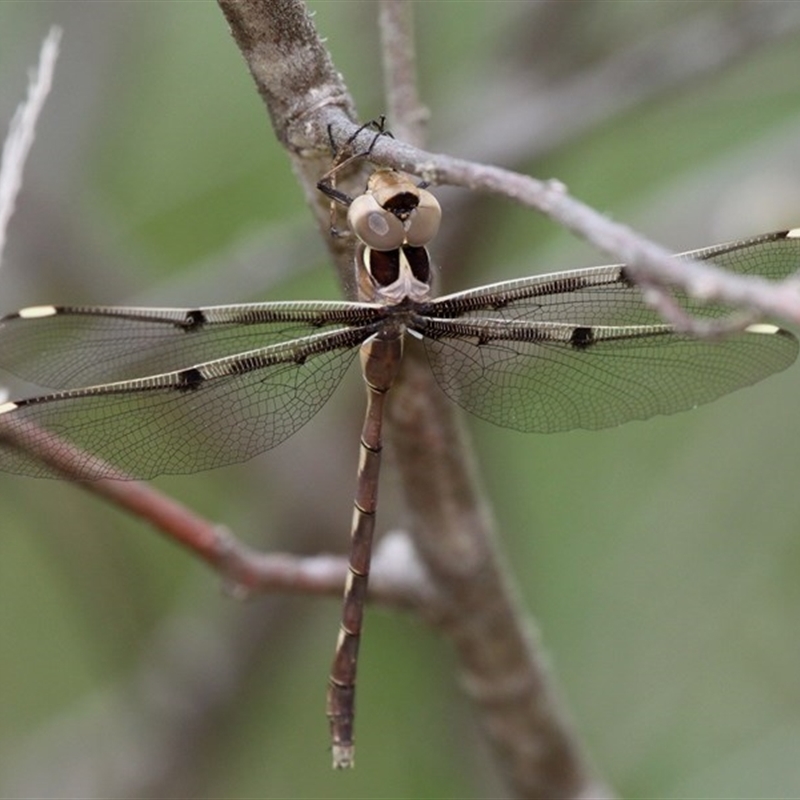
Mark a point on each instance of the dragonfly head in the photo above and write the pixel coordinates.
(394, 212)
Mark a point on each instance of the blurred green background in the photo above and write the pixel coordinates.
(661, 560)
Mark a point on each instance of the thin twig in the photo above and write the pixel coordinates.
(22, 130)
(670, 310)
(500, 663)
(243, 570)
(406, 112)
(646, 260)
(305, 95)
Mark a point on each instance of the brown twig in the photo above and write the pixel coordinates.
(304, 121)
(244, 571)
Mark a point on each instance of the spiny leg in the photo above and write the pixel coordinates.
(342, 157)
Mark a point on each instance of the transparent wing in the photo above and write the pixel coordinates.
(605, 296)
(64, 346)
(207, 416)
(555, 377)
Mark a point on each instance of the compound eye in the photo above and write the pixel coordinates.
(423, 222)
(375, 226)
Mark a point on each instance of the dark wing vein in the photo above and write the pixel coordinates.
(63, 346)
(206, 416)
(550, 377)
(605, 296)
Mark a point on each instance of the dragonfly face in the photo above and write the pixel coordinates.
(394, 221)
(393, 212)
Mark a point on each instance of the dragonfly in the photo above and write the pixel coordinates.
(140, 392)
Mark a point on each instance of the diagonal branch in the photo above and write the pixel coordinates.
(502, 667)
(244, 571)
(516, 119)
(646, 260)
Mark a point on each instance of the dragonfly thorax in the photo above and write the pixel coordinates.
(393, 221)
(391, 276)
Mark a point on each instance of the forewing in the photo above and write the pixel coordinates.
(556, 377)
(216, 413)
(62, 346)
(605, 295)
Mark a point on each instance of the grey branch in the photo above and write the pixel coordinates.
(22, 130)
(648, 261)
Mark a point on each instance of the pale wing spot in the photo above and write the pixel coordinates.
(762, 327)
(793, 234)
(6, 407)
(37, 312)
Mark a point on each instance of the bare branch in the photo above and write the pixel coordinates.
(244, 571)
(671, 311)
(303, 92)
(404, 108)
(515, 120)
(646, 260)
(501, 668)
(473, 600)
(289, 64)
(22, 129)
